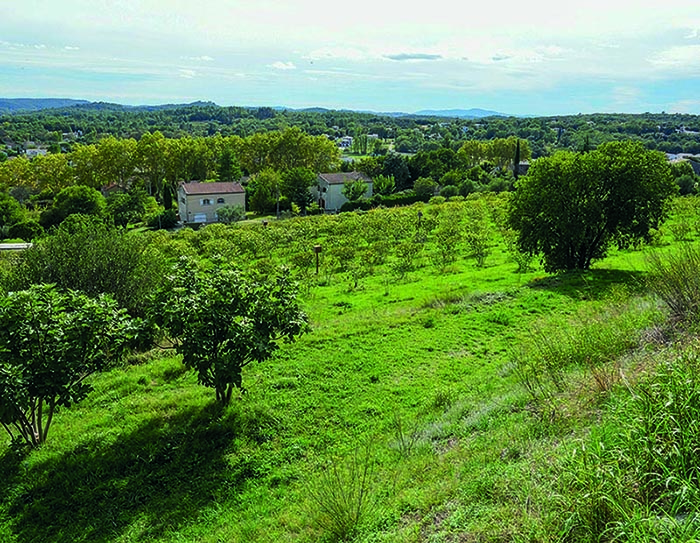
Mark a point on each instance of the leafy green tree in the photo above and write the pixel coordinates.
(116, 161)
(85, 166)
(228, 168)
(163, 220)
(383, 184)
(50, 342)
(263, 190)
(296, 184)
(77, 199)
(221, 321)
(52, 173)
(151, 159)
(396, 166)
(127, 207)
(354, 189)
(449, 191)
(571, 207)
(87, 255)
(11, 211)
(425, 188)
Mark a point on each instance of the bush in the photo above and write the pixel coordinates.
(364, 205)
(229, 214)
(77, 199)
(449, 190)
(405, 198)
(424, 188)
(675, 278)
(687, 184)
(85, 254)
(165, 220)
(26, 230)
(343, 495)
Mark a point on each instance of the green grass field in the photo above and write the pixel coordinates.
(403, 416)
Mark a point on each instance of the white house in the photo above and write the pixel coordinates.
(198, 202)
(329, 186)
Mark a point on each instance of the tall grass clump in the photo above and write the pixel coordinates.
(638, 478)
(592, 341)
(675, 278)
(342, 495)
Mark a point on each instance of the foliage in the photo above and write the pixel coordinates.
(222, 322)
(295, 185)
(49, 343)
(636, 477)
(26, 230)
(343, 496)
(11, 211)
(449, 191)
(263, 191)
(164, 220)
(425, 188)
(383, 184)
(230, 213)
(85, 254)
(571, 207)
(77, 199)
(354, 189)
(675, 278)
(228, 168)
(127, 207)
(687, 184)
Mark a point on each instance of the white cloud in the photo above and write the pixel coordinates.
(279, 65)
(187, 74)
(203, 58)
(71, 48)
(684, 106)
(685, 56)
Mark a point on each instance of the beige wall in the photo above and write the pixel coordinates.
(334, 194)
(190, 205)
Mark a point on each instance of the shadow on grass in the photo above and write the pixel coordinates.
(591, 284)
(157, 478)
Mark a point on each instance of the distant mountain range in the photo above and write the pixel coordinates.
(19, 105)
(474, 113)
(23, 105)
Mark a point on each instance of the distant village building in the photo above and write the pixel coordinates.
(345, 142)
(328, 192)
(198, 202)
(32, 153)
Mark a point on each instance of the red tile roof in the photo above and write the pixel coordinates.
(212, 188)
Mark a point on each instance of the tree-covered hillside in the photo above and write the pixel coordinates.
(673, 133)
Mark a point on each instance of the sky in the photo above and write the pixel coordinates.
(522, 58)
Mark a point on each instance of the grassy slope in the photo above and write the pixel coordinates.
(148, 457)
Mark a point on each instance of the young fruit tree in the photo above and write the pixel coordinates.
(222, 321)
(50, 342)
(572, 206)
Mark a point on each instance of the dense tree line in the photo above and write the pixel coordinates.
(131, 172)
(61, 129)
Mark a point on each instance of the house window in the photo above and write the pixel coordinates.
(205, 202)
(220, 201)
